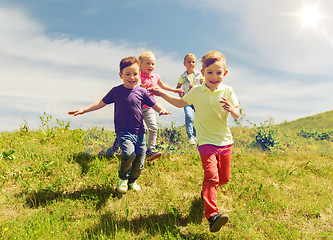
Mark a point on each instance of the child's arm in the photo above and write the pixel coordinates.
(161, 111)
(177, 102)
(95, 106)
(168, 88)
(234, 111)
(179, 86)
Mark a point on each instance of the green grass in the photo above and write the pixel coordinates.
(54, 185)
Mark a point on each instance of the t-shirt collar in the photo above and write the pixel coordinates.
(196, 72)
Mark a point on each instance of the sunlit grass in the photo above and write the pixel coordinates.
(54, 185)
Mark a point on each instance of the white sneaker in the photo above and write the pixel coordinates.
(193, 141)
(134, 186)
(122, 186)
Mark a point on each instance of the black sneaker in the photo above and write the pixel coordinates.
(152, 155)
(217, 221)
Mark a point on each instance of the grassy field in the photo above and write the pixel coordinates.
(55, 185)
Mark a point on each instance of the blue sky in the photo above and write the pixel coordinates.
(60, 55)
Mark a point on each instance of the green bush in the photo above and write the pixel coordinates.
(320, 135)
(266, 136)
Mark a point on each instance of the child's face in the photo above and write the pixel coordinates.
(148, 65)
(131, 76)
(190, 63)
(214, 74)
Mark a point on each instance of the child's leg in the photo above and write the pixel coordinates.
(189, 118)
(139, 161)
(150, 120)
(223, 164)
(125, 140)
(211, 179)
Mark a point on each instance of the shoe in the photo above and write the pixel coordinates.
(134, 186)
(122, 186)
(193, 141)
(217, 221)
(152, 155)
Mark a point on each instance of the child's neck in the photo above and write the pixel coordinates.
(147, 73)
(190, 72)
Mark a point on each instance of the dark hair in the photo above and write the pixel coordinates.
(128, 61)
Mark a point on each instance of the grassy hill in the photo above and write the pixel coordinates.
(319, 121)
(55, 185)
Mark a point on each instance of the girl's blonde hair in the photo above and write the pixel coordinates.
(212, 57)
(146, 54)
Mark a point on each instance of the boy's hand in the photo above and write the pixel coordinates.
(180, 91)
(76, 112)
(154, 91)
(164, 112)
(227, 105)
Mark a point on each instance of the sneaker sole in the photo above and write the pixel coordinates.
(222, 220)
(121, 190)
(135, 190)
(154, 157)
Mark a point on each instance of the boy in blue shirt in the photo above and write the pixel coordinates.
(128, 120)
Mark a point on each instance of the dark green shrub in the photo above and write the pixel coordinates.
(266, 136)
(320, 135)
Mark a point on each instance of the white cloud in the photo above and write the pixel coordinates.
(284, 71)
(263, 97)
(56, 74)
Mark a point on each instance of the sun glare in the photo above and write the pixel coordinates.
(310, 15)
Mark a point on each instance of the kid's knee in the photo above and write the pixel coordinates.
(224, 181)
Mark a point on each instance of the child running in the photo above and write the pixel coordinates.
(189, 79)
(213, 101)
(150, 80)
(128, 120)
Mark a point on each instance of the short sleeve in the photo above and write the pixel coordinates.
(181, 80)
(109, 97)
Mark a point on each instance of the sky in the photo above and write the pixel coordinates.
(60, 55)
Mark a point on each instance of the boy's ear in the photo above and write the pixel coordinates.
(202, 72)
(226, 71)
(121, 75)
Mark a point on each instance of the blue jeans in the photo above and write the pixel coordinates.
(133, 148)
(189, 119)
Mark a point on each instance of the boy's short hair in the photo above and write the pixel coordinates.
(146, 54)
(128, 61)
(189, 55)
(212, 57)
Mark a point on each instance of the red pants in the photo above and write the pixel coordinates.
(216, 165)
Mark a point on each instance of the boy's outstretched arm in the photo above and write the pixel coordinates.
(95, 106)
(168, 88)
(161, 110)
(175, 101)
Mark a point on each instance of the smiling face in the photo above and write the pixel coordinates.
(131, 76)
(214, 74)
(190, 63)
(147, 65)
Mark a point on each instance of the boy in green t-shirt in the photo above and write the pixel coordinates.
(213, 102)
